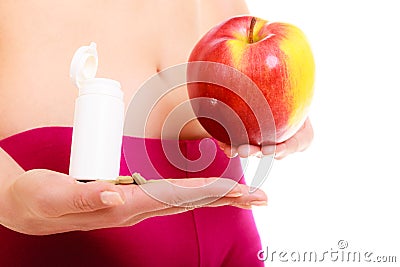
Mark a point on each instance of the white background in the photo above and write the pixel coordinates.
(346, 185)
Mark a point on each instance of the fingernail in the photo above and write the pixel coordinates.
(111, 198)
(258, 203)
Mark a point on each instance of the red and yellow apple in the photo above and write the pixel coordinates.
(276, 57)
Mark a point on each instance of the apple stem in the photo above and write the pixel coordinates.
(252, 24)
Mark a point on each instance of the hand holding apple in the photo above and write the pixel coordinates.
(277, 58)
(297, 143)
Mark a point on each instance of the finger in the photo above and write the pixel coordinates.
(257, 198)
(177, 192)
(145, 206)
(230, 151)
(140, 205)
(90, 197)
(299, 142)
(247, 150)
(268, 150)
(167, 211)
(305, 135)
(247, 198)
(221, 145)
(286, 148)
(60, 194)
(151, 198)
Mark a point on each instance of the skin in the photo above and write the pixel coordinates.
(37, 41)
(297, 143)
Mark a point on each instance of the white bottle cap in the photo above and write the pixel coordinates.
(83, 72)
(84, 64)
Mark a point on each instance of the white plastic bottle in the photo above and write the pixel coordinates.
(98, 120)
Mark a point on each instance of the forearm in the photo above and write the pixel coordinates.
(9, 169)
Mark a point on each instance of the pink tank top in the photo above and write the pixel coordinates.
(224, 236)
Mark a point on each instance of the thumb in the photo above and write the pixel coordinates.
(91, 196)
(64, 195)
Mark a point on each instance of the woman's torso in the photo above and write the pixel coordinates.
(135, 40)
